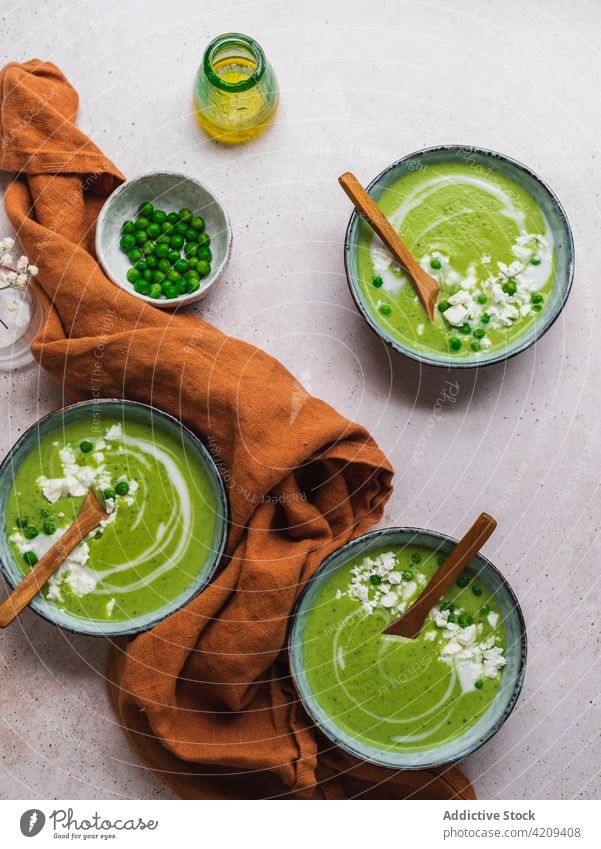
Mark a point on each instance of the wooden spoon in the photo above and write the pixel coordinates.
(426, 286)
(90, 516)
(411, 622)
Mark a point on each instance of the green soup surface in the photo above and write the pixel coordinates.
(160, 528)
(482, 237)
(394, 694)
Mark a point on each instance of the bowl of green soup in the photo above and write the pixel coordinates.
(406, 704)
(493, 235)
(167, 521)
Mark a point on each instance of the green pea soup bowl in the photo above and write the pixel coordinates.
(169, 191)
(204, 476)
(482, 161)
(513, 672)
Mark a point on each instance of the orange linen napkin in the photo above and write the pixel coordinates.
(205, 697)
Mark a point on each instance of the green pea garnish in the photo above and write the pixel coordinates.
(536, 260)
(377, 281)
(476, 589)
(122, 488)
(435, 263)
(454, 343)
(21, 521)
(407, 575)
(510, 287)
(465, 619)
(385, 309)
(146, 209)
(463, 581)
(485, 609)
(30, 557)
(30, 532)
(375, 580)
(443, 306)
(465, 329)
(479, 683)
(86, 446)
(49, 527)
(109, 494)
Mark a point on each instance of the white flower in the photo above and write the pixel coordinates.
(33, 270)
(6, 259)
(22, 264)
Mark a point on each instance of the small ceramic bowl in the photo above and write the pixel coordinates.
(483, 161)
(94, 411)
(512, 676)
(171, 192)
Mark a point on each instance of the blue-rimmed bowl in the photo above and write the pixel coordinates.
(488, 161)
(515, 654)
(191, 448)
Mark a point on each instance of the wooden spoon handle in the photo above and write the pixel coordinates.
(427, 288)
(89, 517)
(410, 624)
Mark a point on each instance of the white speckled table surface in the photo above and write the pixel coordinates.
(362, 84)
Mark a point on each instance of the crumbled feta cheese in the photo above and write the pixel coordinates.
(456, 315)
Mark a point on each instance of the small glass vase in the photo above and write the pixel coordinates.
(235, 91)
(21, 319)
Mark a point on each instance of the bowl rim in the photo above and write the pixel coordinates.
(424, 358)
(191, 297)
(359, 753)
(218, 550)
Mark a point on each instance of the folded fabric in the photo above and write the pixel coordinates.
(205, 697)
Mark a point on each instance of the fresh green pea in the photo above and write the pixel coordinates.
(485, 318)
(476, 590)
(536, 260)
(141, 265)
(30, 557)
(45, 513)
(134, 255)
(193, 261)
(21, 521)
(159, 217)
(416, 557)
(30, 532)
(98, 535)
(479, 683)
(152, 261)
(142, 223)
(375, 580)
(164, 239)
(108, 494)
(146, 209)
(185, 214)
(142, 287)
(49, 527)
(161, 250)
(140, 237)
(536, 298)
(475, 346)
(465, 329)
(385, 309)
(173, 256)
(443, 306)
(173, 218)
(481, 298)
(128, 227)
(452, 618)
(205, 253)
(127, 242)
(182, 286)
(173, 276)
(181, 266)
(86, 446)
(154, 230)
(147, 274)
(510, 287)
(407, 575)
(537, 307)
(204, 240)
(465, 619)
(155, 291)
(479, 333)
(192, 249)
(180, 228)
(177, 242)
(435, 263)
(170, 291)
(197, 223)
(159, 277)
(193, 285)
(463, 581)
(122, 488)
(485, 609)
(164, 265)
(167, 228)
(375, 281)
(204, 268)
(190, 235)
(454, 343)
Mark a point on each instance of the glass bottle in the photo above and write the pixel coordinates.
(235, 91)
